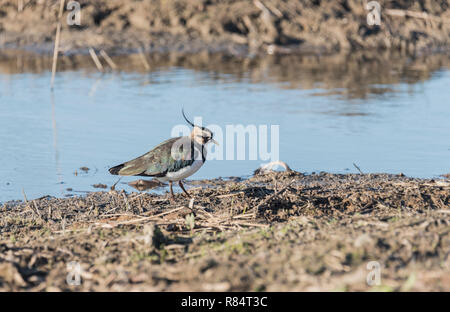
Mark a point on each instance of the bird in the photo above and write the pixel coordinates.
(172, 160)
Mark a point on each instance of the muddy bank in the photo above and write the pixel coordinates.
(235, 26)
(274, 232)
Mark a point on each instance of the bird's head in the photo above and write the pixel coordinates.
(199, 134)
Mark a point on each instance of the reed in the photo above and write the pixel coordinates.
(96, 60)
(57, 39)
(143, 59)
(108, 59)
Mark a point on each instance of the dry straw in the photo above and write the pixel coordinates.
(108, 59)
(96, 60)
(57, 39)
(143, 59)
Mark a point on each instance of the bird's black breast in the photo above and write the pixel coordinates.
(194, 154)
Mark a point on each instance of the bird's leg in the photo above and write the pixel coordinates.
(172, 198)
(184, 190)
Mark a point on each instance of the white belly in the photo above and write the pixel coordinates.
(182, 173)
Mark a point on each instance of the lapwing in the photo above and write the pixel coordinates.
(172, 160)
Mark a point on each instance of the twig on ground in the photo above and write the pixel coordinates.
(250, 224)
(113, 187)
(127, 205)
(147, 218)
(267, 199)
(414, 14)
(33, 207)
(231, 194)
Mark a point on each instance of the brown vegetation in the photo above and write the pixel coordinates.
(274, 232)
(233, 26)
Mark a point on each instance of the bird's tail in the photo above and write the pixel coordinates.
(115, 170)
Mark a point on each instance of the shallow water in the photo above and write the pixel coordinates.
(396, 122)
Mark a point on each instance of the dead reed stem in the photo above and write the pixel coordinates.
(108, 59)
(357, 168)
(33, 205)
(57, 39)
(143, 59)
(96, 60)
(414, 14)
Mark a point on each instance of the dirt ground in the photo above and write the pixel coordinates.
(282, 231)
(274, 232)
(232, 26)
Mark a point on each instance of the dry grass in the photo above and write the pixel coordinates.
(279, 231)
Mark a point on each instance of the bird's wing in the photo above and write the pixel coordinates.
(159, 160)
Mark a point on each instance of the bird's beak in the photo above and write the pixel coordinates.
(214, 141)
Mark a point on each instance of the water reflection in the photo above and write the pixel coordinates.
(349, 76)
(384, 113)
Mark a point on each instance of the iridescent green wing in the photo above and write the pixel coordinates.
(160, 160)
